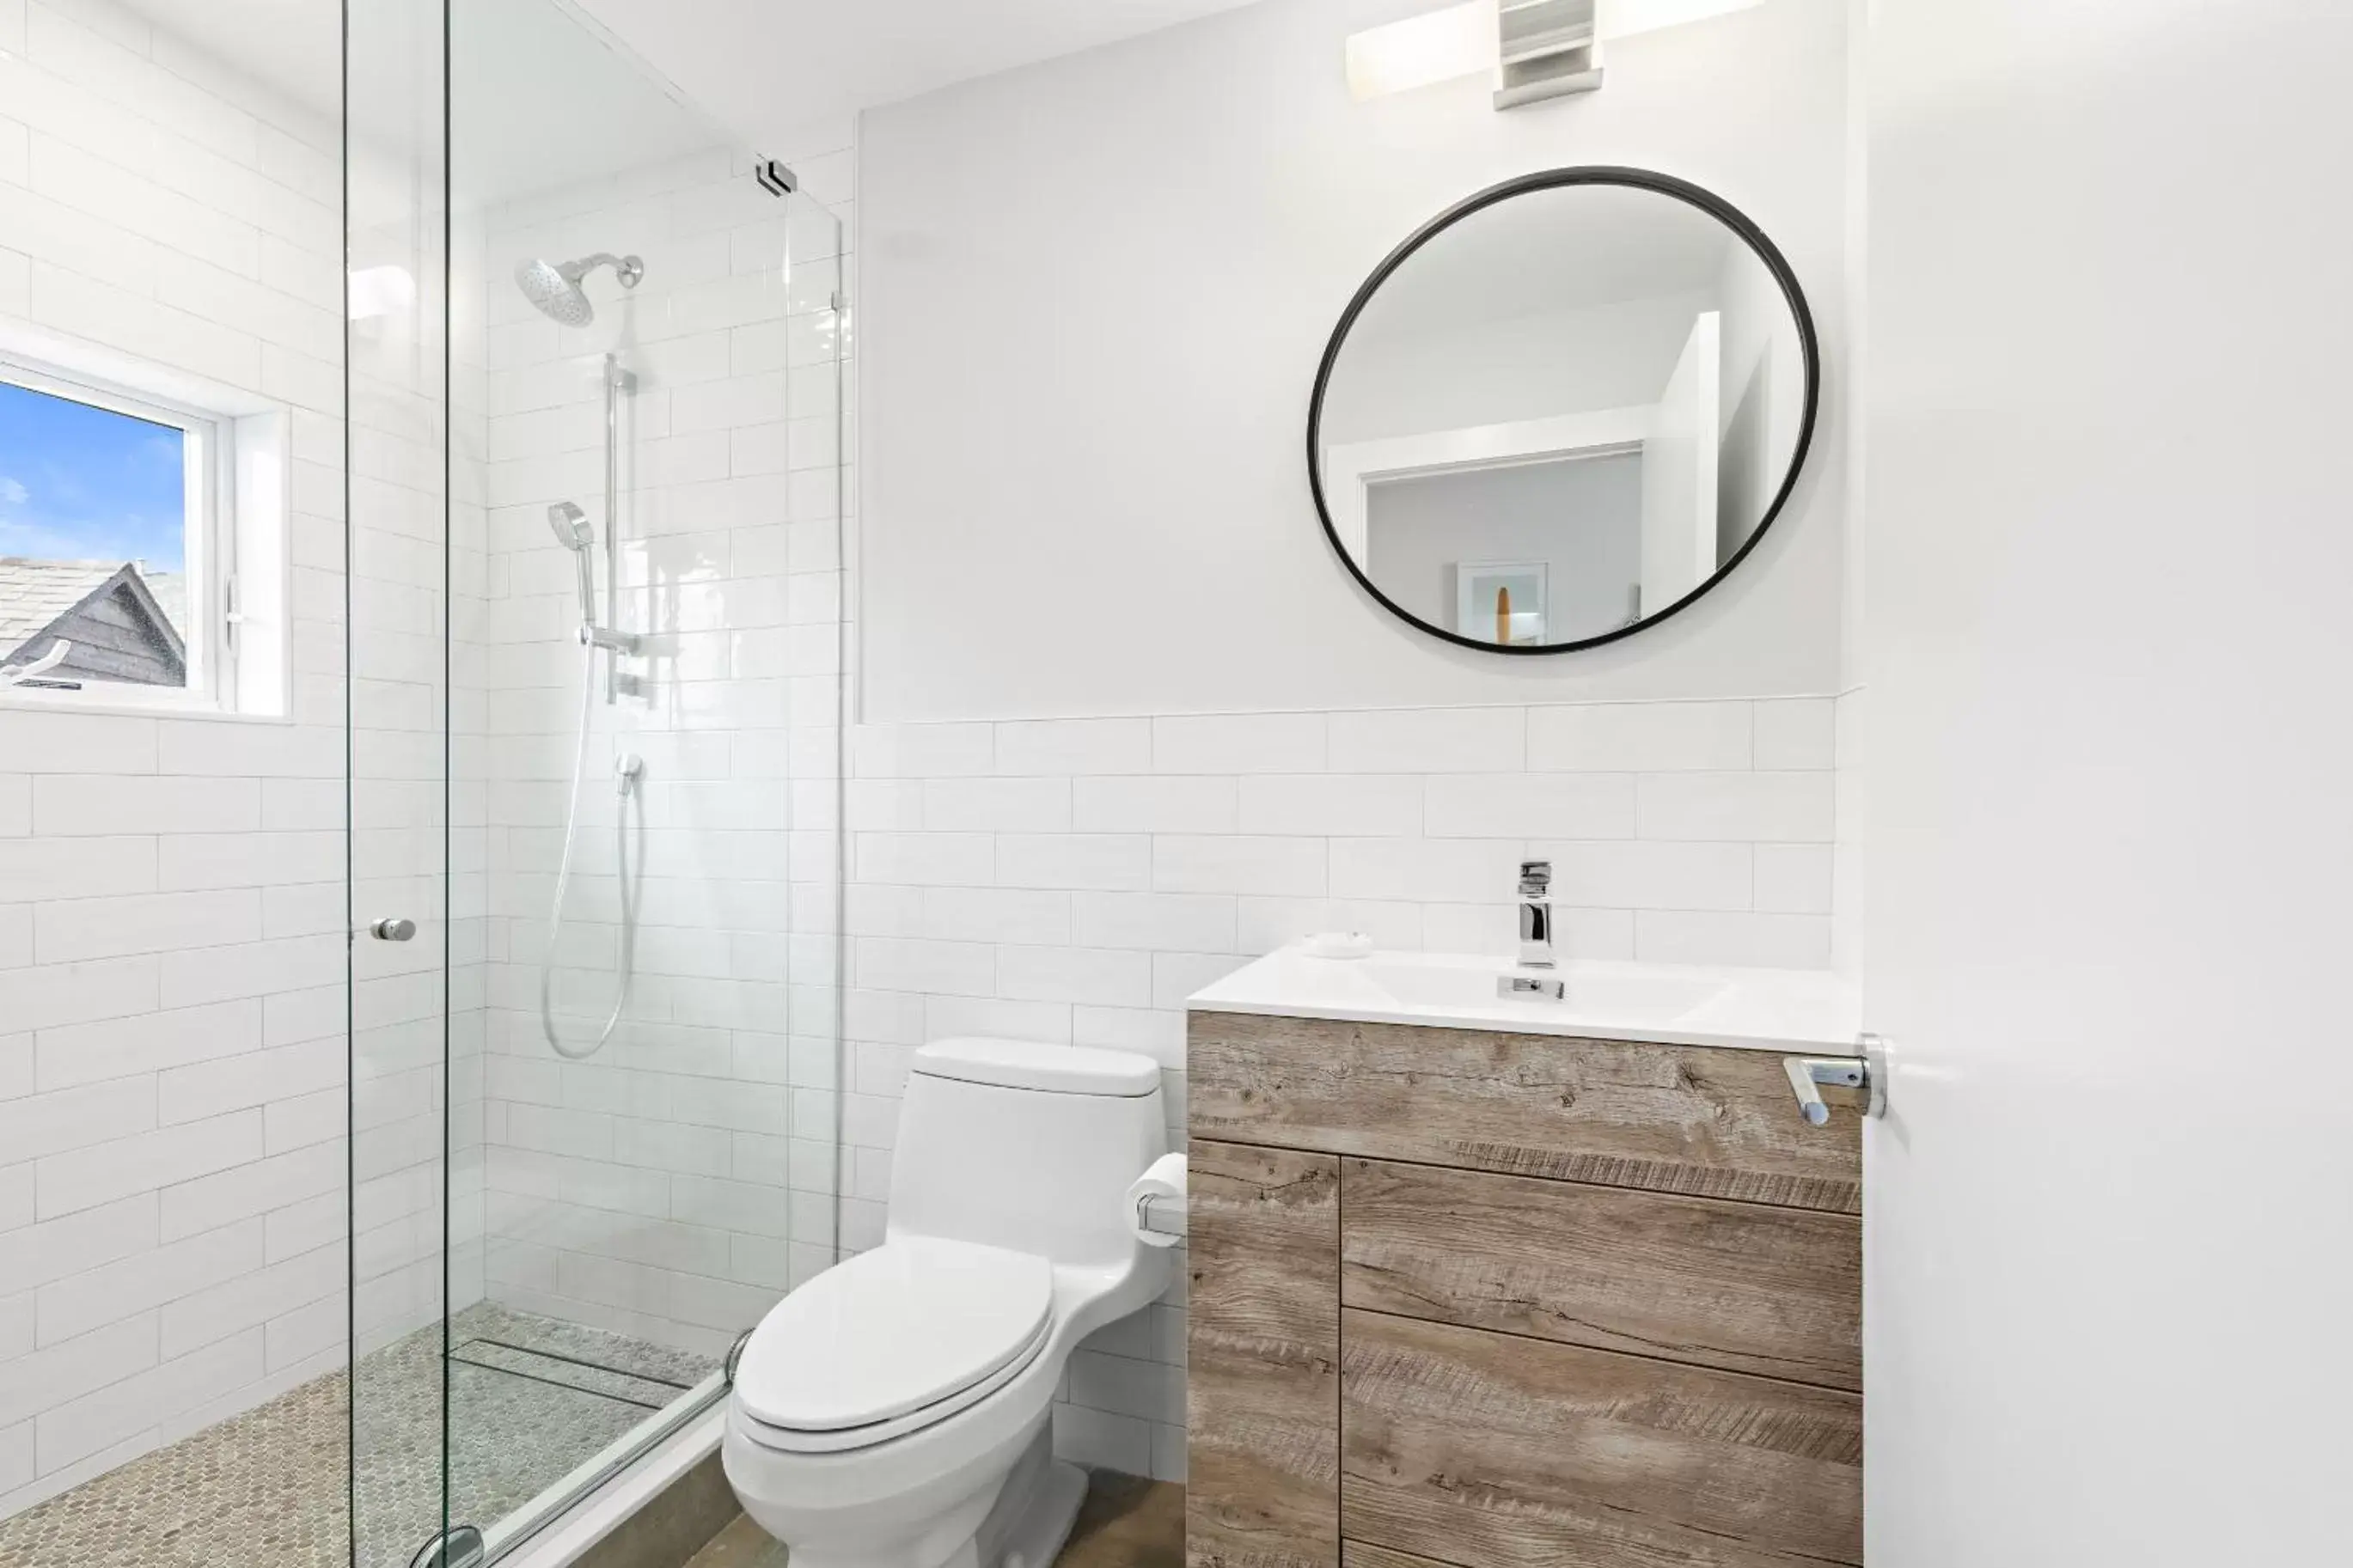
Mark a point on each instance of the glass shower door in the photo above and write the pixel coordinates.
(595, 718)
(416, 955)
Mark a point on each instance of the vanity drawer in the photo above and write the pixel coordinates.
(1673, 1119)
(1738, 1287)
(1262, 1348)
(1490, 1451)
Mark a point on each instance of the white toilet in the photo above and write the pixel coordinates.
(892, 1413)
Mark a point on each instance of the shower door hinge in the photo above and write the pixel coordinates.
(775, 178)
(840, 302)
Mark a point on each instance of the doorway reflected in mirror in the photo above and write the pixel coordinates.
(1501, 602)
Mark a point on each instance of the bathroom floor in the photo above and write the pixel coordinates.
(530, 1399)
(1125, 1522)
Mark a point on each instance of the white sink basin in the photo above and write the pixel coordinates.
(1764, 1009)
(1451, 983)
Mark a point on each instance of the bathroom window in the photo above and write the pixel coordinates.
(120, 530)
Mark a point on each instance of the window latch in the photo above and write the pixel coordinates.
(231, 616)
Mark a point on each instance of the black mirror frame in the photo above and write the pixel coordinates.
(1707, 201)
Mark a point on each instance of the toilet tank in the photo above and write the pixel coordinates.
(1024, 1145)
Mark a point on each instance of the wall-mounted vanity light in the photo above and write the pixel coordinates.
(1537, 50)
(1546, 48)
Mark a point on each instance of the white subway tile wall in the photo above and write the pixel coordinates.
(1076, 879)
(171, 982)
(674, 1183)
(1845, 891)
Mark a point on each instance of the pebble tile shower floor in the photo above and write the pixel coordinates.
(530, 1399)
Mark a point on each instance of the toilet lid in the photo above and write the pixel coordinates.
(891, 1330)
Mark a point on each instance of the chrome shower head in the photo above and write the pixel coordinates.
(554, 287)
(570, 526)
(555, 295)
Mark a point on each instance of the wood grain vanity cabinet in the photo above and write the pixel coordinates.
(1485, 1300)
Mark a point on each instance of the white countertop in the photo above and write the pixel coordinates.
(1793, 1010)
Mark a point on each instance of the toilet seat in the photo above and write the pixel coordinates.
(789, 1440)
(890, 1342)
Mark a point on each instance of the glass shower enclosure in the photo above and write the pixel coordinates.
(421, 454)
(592, 599)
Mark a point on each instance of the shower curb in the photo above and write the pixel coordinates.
(641, 1517)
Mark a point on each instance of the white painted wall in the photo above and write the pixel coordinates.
(1088, 352)
(1763, 395)
(2111, 1250)
(172, 977)
(1680, 454)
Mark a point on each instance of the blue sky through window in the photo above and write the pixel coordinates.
(79, 483)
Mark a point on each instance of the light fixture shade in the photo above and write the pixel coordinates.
(1623, 18)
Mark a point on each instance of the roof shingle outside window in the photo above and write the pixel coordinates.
(123, 624)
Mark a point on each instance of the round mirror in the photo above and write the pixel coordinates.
(1563, 409)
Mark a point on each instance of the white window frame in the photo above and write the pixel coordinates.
(236, 448)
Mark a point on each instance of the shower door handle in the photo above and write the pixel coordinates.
(392, 928)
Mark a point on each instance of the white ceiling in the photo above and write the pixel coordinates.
(294, 46)
(770, 66)
(538, 101)
(545, 95)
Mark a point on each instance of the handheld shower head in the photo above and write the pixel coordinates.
(570, 526)
(576, 534)
(554, 287)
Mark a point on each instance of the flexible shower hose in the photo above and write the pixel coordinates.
(625, 787)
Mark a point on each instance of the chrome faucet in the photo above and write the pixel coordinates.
(1536, 914)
